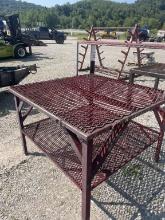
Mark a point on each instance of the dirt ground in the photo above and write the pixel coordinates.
(32, 188)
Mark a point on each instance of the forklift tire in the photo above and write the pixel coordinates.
(20, 52)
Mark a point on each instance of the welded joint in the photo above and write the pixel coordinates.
(27, 113)
(160, 121)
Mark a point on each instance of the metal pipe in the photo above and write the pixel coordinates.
(92, 59)
(77, 58)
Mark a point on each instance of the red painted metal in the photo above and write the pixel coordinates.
(87, 149)
(156, 71)
(162, 113)
(96, 112)
(134, 42)
(90, 103)
(118, 43)
(104, 145)
(52, 139)
(92, 35)
(161, 121)
(19, 105)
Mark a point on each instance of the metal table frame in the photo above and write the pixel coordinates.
(83, 144)
(149, 71)
(139, 46)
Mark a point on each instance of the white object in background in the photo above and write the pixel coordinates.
(93, 52)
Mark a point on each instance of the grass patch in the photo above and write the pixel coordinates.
(133, 171)
(2, 43)
(80, 36)
(123, 36)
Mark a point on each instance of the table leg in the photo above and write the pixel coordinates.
(156, 83)
(131, 77)
(77, 59)
(86, 178)
(20, 122)
(92, 59)
(158, 147)
(161, 123)
(139, 57)
(30, 50)
(76, 144)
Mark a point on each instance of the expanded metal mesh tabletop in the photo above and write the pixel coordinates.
(98, 110)
(89, 103)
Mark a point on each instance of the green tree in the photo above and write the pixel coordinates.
(52, 20)
(87, 12)
(163, 27)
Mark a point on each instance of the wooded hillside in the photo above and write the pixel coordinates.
(87, 12)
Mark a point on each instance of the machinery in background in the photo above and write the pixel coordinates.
(160, 37)
(12, 42)
(143, 34)
(108, 34)
(44, 33)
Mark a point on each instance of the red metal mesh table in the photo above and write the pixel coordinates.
(89, 132)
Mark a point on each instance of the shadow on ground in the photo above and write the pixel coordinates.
(36, 154)
(37, 57)
(59, 44)
(7, 104)
(138, 195)
(136, 192)
(34, 57)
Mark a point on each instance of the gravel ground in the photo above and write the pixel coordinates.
(32, 188)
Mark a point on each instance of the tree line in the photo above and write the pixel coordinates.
(85, 13)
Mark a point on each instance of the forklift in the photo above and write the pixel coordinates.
(12, 42)
(108, 34)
